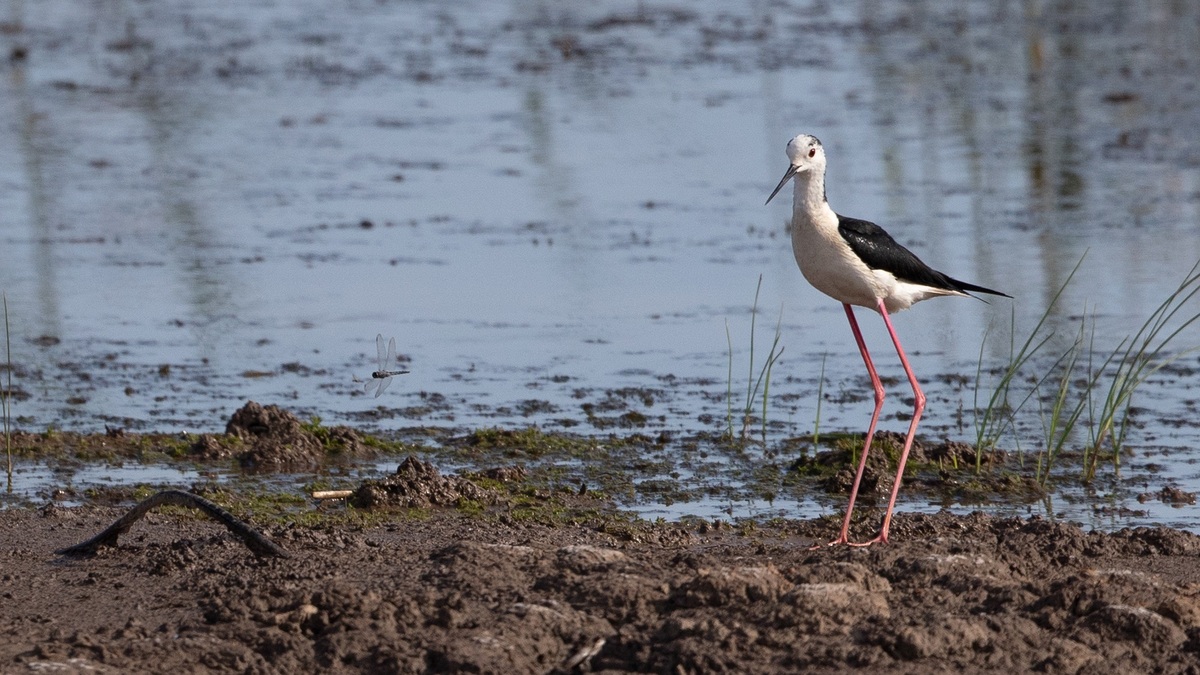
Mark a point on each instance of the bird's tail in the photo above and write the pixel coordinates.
(973, 288)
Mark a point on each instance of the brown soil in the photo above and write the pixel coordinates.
(441, 591)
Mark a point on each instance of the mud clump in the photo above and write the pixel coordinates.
(1169, 495)
(505, 474)
(418, 485)
(271, 438)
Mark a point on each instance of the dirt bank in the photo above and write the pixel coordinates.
(443, 591)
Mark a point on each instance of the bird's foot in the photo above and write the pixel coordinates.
(881, 539)
(843, 538)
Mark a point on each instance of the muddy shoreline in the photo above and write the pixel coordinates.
(651, 472)
(500, 570)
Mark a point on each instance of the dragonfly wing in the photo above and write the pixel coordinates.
(391, 355)
(383, 384)
(379, 345)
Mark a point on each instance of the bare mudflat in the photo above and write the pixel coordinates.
(440, 590)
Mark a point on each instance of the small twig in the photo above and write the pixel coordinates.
(250, 537)
(332, 494)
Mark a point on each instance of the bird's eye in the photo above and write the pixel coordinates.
(812, 152)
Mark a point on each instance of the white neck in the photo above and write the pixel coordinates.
(808, 200)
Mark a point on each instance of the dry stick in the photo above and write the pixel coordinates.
(331, 494)
(250, 537)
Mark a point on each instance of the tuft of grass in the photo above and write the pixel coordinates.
(1059, 423)
(729, 384)
(997, 417)
(1105, 393)
(816, 436)
(753, 383)
(764, 377)
(1140, 357)
(329, 442)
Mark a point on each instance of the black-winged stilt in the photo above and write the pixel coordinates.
(856, 263)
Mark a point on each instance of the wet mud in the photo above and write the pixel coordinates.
(443, 591)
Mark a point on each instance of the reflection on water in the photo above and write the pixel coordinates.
(209, 204)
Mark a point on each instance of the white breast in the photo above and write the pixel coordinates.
(831, 267)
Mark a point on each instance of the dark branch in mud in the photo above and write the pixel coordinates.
(254, 540)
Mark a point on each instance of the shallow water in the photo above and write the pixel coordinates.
(211, 204)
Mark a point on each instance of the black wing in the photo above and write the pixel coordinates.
(880, 251)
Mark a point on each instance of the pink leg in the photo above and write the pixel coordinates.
(844, 536)
(918, 408)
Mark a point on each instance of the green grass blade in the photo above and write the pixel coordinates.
(6, 397)
(729, 383)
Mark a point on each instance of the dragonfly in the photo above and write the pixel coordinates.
(380, 379)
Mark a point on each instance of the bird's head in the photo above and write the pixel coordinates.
(806, 155)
